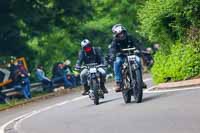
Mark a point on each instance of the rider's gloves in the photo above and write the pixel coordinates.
(137, 52)
(77, 67)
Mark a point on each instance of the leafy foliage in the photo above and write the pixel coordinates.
(167, 21)
(42, 30)
(110, 12)
(182, 63)
(53, 47)
(49, 31)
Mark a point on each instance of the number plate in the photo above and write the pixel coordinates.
(131, 57)
(93, 70)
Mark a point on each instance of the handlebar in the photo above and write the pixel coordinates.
(92, 65)
(97, 66)
(129, 49)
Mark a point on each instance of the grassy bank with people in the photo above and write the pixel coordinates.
(20, 101)
(51, 31)
(36, 96)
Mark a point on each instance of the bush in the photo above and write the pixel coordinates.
(182, 63)
(167, 21)
(53, 47)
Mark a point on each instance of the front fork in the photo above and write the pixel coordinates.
(132, 67)
(92, 81)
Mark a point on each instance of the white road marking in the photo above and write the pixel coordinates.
(148, 79)
(147, 90)
(21, 118)
(170, 90)
(16, 119)
(79, 98)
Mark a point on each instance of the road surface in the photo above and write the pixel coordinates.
(174, 112)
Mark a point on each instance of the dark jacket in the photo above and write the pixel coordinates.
(68, 70)
(118, 45)
(59, 72)
(95, 56)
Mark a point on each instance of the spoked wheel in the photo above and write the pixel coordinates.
(95, 91)
(137, 87)
(96, 98)
(101, 94)
(126, 92)
(127, 96)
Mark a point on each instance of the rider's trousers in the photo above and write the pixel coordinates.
(84, 73)
(117, 67)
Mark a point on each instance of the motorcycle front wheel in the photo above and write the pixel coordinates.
(137, 89)
(95, 91)
(126, 92)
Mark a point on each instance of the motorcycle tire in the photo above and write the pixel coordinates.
(126, 96)
(138, 90)
(126, 92)
(95, 91)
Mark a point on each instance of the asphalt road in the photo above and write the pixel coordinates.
(175, 112)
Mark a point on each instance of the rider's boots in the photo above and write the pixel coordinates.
(117, 87)
(86, 89)
(102, 86)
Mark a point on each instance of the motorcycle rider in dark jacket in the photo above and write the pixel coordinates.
(87, 55)
(121, 40)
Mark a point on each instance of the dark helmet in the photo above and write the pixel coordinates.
(86, 45)
(119, 31)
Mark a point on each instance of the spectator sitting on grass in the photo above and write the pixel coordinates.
(42, 78)
(59, 75)
(21, 81)
(77, 77)
(69, 73)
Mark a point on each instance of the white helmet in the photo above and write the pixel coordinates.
(84, 43)
(118, 28)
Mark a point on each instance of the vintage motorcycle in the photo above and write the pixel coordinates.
(93, 80)
(132, 77)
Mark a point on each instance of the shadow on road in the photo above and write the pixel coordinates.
(148, 98)
(152, 97)
(114, 99)
(101, 102)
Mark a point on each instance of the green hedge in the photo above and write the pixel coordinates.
(182, 63)
(168, 21)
